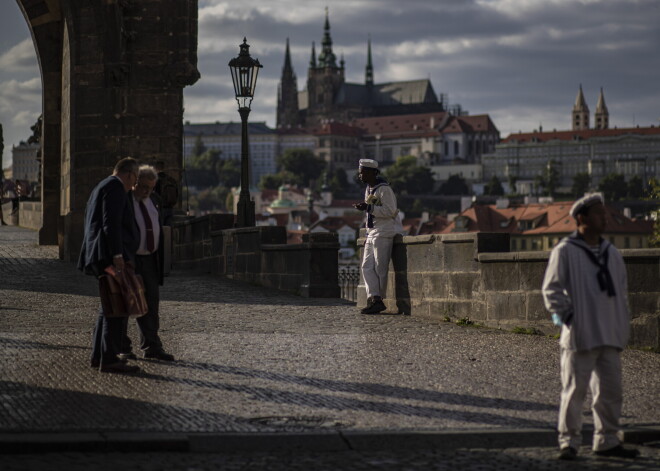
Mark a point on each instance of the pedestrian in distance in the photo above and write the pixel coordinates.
(585, 289)
(145, 208)
(110, 238)
(381, 226)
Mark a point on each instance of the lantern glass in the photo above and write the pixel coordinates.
(244, 71)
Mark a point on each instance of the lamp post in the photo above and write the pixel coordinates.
(244, 71)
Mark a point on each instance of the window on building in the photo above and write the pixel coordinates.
(456, 148)
(523, 244)
(626, 242)
(446, 148)
(513, 245)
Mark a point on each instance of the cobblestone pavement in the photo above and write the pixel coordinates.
(257, 360)
(476, 459)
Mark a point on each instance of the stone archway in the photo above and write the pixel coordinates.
(113, 73)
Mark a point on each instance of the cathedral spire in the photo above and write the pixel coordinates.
(287, 60)
(327, 58)
(580, 112)
(602, 116)
(312, 60)
(369, 73)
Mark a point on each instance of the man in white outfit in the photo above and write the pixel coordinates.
(585, 288)
(382, 225)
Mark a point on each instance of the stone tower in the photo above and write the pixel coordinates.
(369, 72)
(287, 94)
(602, 116)
(580, 112)
(324, 78)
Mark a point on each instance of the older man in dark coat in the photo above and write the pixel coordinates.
(111, 238)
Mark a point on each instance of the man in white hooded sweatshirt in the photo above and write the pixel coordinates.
(585, 288)
(382, 225)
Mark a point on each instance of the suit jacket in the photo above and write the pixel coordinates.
(160, 253)
(109, 228)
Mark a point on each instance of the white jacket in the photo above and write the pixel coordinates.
(381, 205)
(571, 286)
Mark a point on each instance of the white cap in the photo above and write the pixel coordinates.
(585, 202)
(369, 163)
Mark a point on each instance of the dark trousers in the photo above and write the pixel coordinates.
(148, 325)
(106, 339)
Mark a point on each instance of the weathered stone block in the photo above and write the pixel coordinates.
(531, 274)
(643, 274)
(462, 285)
(500, 276)
(423, 257)
(645, 331)
(506, 306)
(459, 256)
(535, 307)
(644, 303)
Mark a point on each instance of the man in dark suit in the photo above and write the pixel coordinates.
(110, 238)
(146, 209)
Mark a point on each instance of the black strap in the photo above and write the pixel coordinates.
(370, 217)
(603, 276)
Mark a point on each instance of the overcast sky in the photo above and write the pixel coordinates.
(520, 61)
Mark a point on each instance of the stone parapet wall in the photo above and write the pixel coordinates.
(30, 215)
(258, 255)
(475, 276)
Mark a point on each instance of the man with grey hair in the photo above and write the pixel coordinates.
(149, 264)
(585, 289)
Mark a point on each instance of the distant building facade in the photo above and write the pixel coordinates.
(25, 162)
(597, 152)
(328, 97)
(435, 138)
(265, 143)
(541, 226)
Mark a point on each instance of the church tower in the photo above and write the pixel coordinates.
(580, 112)
(369, 72)
(324, 78)
(287, 94)
(602, 116)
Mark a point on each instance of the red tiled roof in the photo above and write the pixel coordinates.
(552, 218)
(335, 129)
(546, 136)
(334, 223)
(410, 123)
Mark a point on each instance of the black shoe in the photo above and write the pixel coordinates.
(159, 355)
(618, 451)
(567, 453)
(375, 308)
(119, 367)
(370, 302)
(127, 356)
(96, 364)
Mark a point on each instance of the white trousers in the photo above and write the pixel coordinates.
(600, 370)
(376, 262)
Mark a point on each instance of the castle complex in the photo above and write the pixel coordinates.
(328, 97)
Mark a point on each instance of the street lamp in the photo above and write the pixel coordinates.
(244, 71)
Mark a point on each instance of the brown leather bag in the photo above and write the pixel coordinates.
(122, 293)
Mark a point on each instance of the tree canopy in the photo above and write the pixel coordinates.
(494, 187)
(302, 163)
(455, 185)
(406, 176)
(581, 182)
(614, 187)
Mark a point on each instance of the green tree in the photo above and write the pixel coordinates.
(635, 187)
(494, 187)
(405, 176)
(229, 173)
(614, 187)
(455, 185)
(198, 148)
(275, 180)
(302, 163)
(512, 179)
(203, 169)
(581, 182)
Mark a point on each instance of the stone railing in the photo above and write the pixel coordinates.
(258, 255)
(28, 214)
(474, 276)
